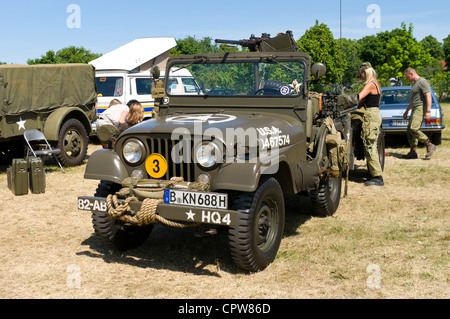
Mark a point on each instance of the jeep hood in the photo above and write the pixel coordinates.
(208, 123)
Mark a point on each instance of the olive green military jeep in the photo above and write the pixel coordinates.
(221, 151)
(58, 100)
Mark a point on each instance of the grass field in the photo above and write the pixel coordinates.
(383, 242)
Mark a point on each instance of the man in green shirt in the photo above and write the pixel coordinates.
(420, 106)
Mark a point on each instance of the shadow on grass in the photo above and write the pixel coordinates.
(183, 250)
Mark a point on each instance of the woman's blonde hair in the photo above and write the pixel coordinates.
(136, 114)
(371, 75)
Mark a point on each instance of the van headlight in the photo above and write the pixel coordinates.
(133, 151)
(208, 154)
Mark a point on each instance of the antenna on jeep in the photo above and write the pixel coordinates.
(340, 41)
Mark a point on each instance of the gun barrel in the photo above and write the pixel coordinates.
(237, 42)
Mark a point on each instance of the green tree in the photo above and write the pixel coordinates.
(433, 46)
(351, 50)
(403, 51)
(319, 43)
(372, 49)
(446, 49)
(69, 54)
(391, 52)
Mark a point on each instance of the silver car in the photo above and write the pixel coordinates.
(394, 102)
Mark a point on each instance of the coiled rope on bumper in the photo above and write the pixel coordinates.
(146, 215)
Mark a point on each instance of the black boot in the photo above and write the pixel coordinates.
(374, 181)
(412, 154)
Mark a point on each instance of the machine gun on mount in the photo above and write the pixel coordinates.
(283, 42)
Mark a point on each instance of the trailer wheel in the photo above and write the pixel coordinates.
(73, 143)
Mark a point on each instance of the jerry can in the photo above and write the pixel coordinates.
(36, 174)
(17, 176)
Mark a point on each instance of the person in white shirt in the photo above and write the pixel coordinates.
(115, 115)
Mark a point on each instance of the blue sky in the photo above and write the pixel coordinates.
(32, 27)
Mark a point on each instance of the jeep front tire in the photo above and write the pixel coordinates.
(114, 234)
(255, 240)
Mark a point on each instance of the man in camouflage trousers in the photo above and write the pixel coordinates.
(420, 106)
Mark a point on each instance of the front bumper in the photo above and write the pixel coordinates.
(388, 128)
(179, 213)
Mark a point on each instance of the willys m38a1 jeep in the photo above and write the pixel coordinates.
(224, 154)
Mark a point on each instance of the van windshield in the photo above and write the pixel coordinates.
(144, 85)
(275, 78)
(109, 86)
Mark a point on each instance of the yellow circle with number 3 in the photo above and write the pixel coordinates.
(156, 165)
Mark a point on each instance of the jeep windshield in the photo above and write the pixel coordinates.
(270, 76)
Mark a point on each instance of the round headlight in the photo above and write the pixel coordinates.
(133, 151)
(208, 154)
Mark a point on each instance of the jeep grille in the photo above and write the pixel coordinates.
(163, 146)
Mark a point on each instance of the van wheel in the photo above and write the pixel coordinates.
(73, 143)
(255, 240)
(113, 233)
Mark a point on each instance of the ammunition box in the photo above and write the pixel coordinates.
(36, 174)
(17, 176)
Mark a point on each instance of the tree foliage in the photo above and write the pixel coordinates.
(446, 50)
(433, 46)
(319, 43)
(71, 54)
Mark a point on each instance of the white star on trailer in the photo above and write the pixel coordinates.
(21, 124)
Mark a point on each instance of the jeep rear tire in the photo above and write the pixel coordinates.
(255, 240)
(114, 234)
(73, 143)
(325, 199)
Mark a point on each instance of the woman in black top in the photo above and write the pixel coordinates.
(370, 98)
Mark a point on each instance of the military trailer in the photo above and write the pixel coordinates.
(58, 100)
(225, 156)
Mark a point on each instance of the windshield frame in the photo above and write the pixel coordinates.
(275, 58)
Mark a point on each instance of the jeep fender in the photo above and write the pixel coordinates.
(55, 120)
(105, 165)
(244, 177)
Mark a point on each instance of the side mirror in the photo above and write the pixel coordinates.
(318, 70)
(156, 72)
